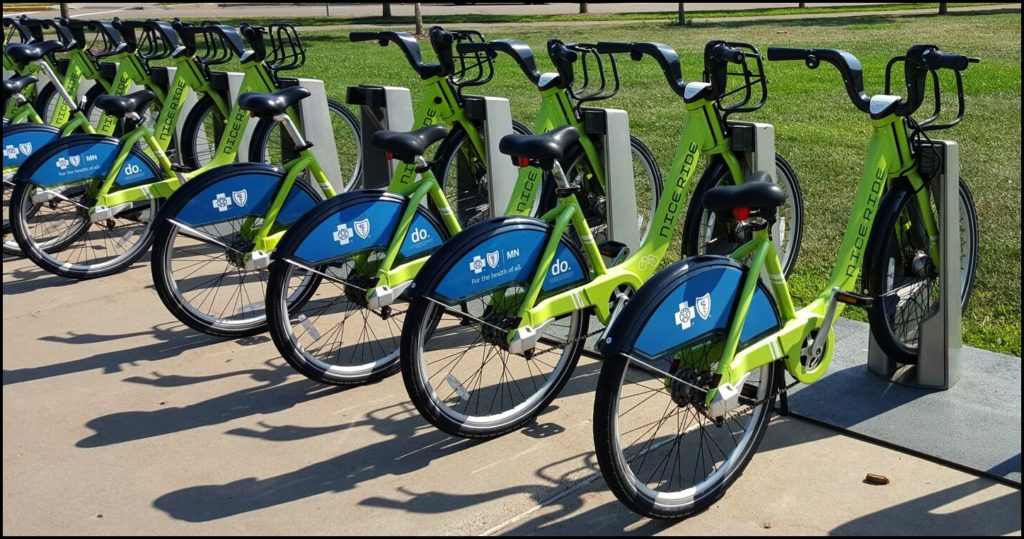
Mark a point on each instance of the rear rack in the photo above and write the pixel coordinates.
(732, 97)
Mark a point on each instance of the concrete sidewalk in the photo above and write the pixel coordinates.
(119, 420)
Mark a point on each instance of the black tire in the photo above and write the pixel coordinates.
(592, 197)
(695, 227)
(470, 203)
(265, 145)
(427, 317)
(293, 324)
(661, 500)
(200, 133)
(252, 318)
(103, 245)
(894, 319)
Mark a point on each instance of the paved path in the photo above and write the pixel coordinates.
(119, 420)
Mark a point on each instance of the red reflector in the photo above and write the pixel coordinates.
(741, 213)
(389, 156)
(524, 161)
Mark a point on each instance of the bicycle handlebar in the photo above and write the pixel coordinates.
(663, 54)
(410, 47)
(519, 51)
(719, 51)
(919, 61)
(30, 30)
(847, 64)
(230, 35)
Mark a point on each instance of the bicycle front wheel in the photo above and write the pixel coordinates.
(270, 143)
(658, 448)
(463, 176)
(201, 132)
(903, 277)
(704, 234)
(594, 198)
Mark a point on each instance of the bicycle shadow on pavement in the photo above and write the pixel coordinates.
(173, 339)
(567, 496)
(30, 279)
(273, 394)
(411, 446)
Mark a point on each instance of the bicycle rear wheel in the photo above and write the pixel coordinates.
(60, 237)
(658, 449)
(201, 277)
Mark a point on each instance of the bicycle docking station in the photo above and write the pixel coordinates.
(939, 335)
(390, 108)
(495, 114)
(612, 127)
(380, 108)
(314, 121)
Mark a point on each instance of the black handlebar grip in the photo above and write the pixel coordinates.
(726, 53)
(472, 47)
(612, 47)
(441, 42)
(784, 53)
(936, 59)
(364, 36)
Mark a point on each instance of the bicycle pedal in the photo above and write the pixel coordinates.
(614, 251)
(854, 299)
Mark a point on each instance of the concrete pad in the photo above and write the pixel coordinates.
(976, 423)
(119, 420)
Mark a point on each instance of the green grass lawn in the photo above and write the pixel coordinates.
(817, 128)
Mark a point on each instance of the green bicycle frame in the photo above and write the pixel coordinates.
(701, 134)
(256, 79)
(889, 158)
(267, 236)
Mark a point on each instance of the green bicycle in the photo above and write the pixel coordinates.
(498, 316)
(694, 362)
(348, 332)
(96, 196)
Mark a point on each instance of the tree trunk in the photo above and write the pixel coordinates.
(64, 10)
(942, 8)
(419, 19)
(583, 7)
(328, 6)
(387, 10)
(682, 15)
(802, 5)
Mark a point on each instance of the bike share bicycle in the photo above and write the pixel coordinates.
(101, 193)
(694, 362)
(483, 352)
(348, 332)
(202, 287)
(22, 139)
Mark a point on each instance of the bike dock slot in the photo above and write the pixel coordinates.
(495, 113)
(380, 108)
(938, 362)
